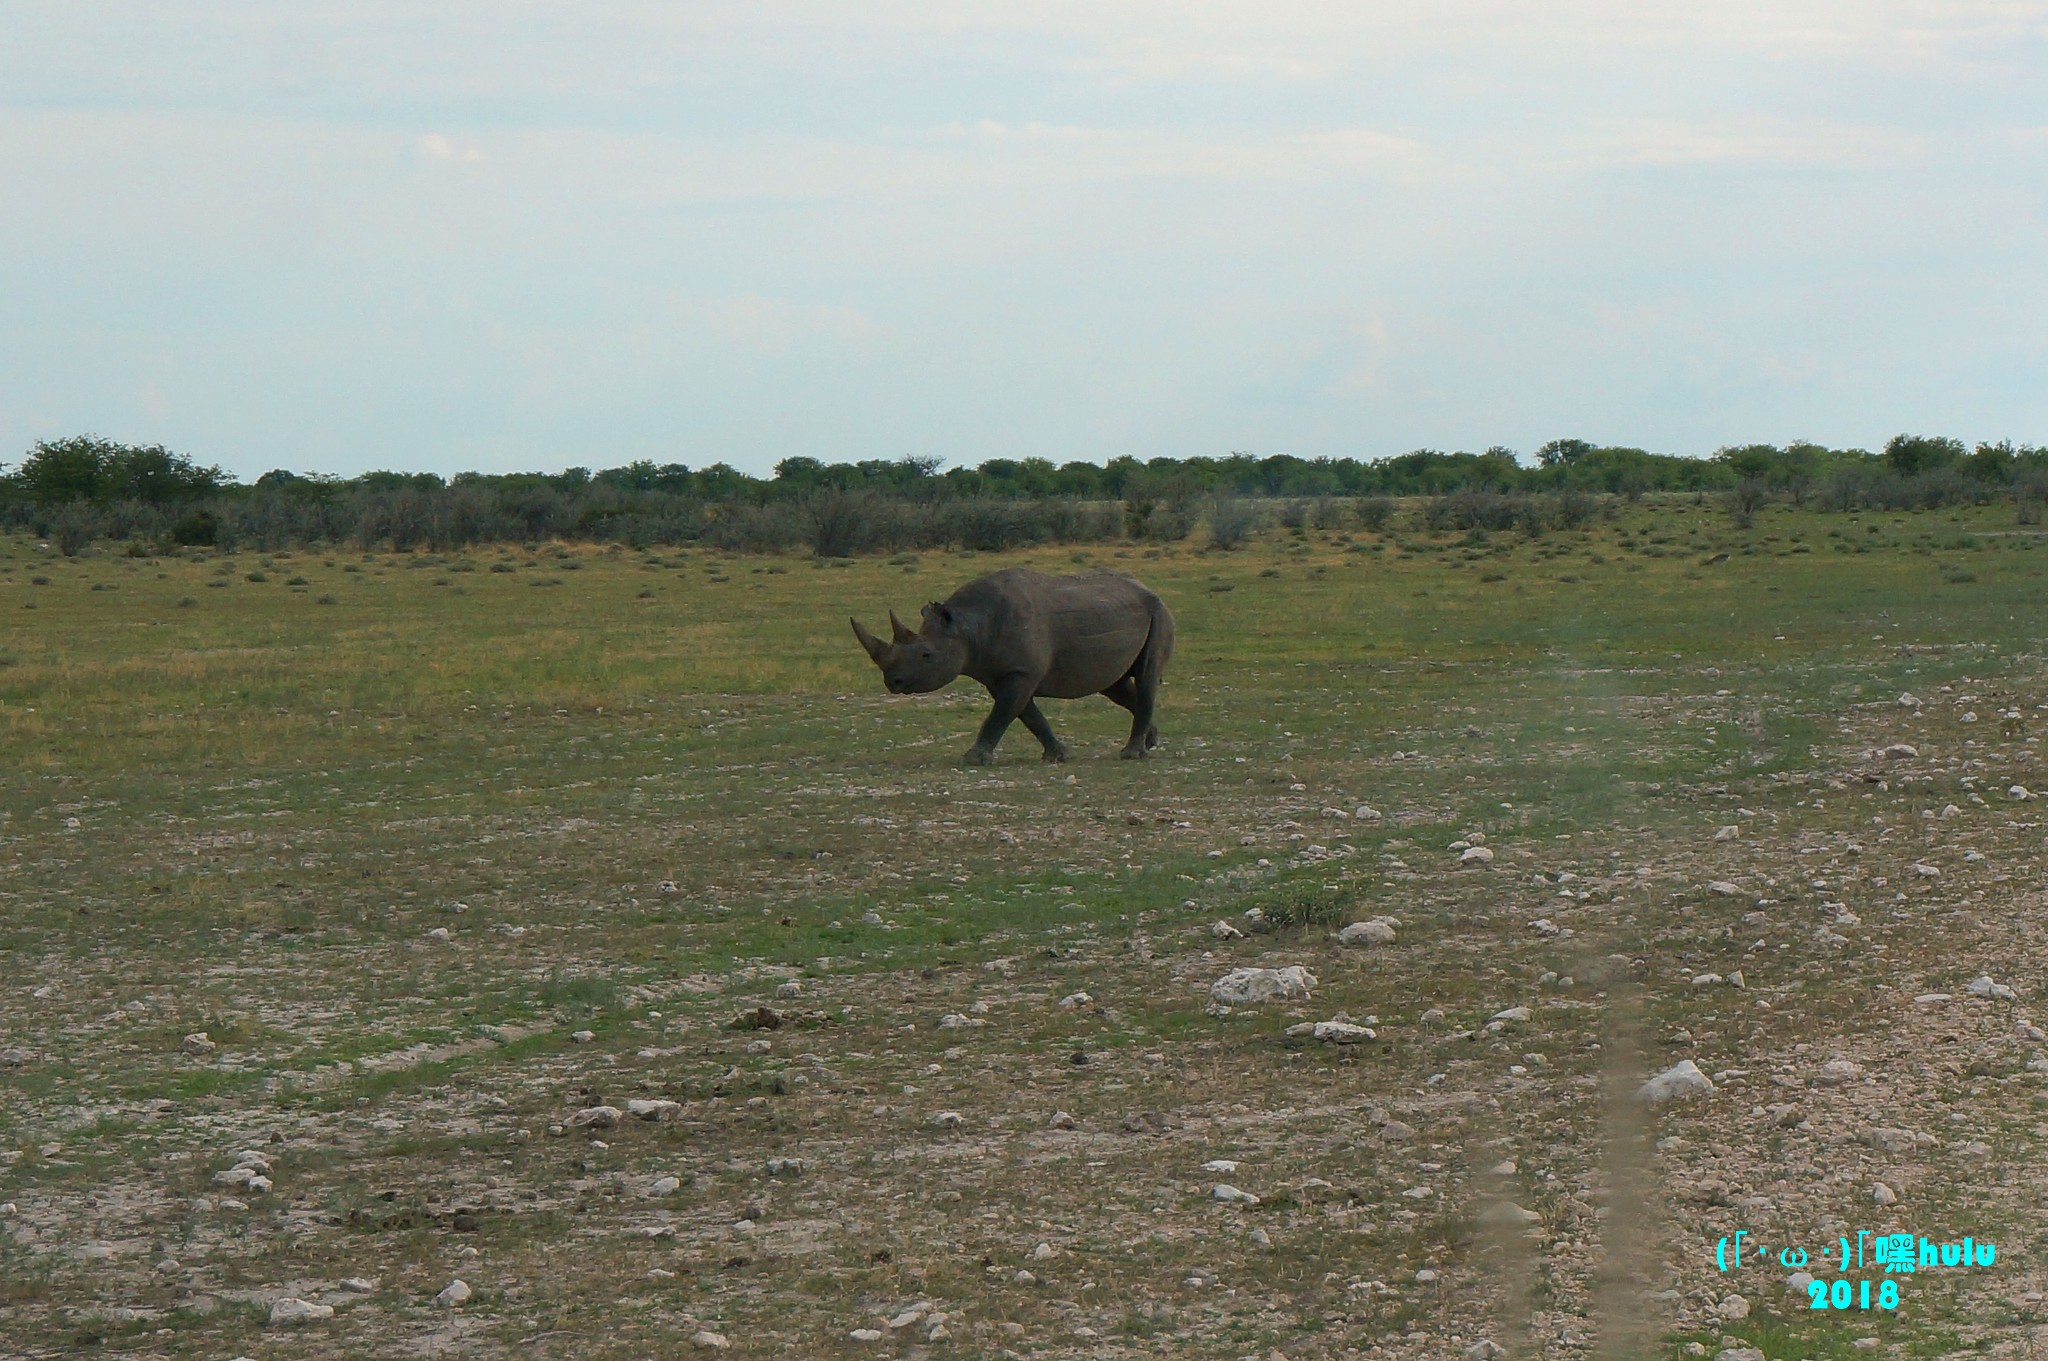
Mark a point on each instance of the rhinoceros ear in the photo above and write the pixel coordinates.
(941, 617)
(903, 633)
(875, 646)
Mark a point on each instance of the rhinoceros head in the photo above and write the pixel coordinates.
(914, 663)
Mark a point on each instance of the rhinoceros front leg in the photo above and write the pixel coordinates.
(1012, 695)
(1034, 719)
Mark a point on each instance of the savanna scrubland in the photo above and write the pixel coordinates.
(381, 877)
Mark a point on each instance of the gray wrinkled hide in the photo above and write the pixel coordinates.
(1024, 635)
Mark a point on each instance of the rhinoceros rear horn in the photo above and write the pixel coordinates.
(903, 635)
(875, 646)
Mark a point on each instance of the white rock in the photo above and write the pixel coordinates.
(1366, 813)
(664, 1186)
(1928, 999)
(1222, 1166)
(198, 1044)
(1707, 980)
(1225, 931)
(1510, 1014)
(1799, 1280)
(582, 1036)
(1723, 888)
(1341, 1032)
(866, 1334)
(1835, 1072)
(1733, 1307)
(1544, 926)
(1682, 1080)
(913, 1315)
(1899, 751)
(453, 1294)
(788, 989)
(359, 1285)
(641, 1109)
(1509, 1213)
(1884, 1195)
(1740, 1354)
(1982, 986)
(1909, 700)
(2029, 1032)
(1926, 871)
(1485, 1349)
(2020, 791)
(1250, 987)
(708, 1340)
(1061, 1120)
(596, 1117)
(785, 1167)
(291, 1311)
(1231, 1195)
(1075, 999)
(1728, 833)
(1378, 931)
(958, 1021)
(1044, 1252)
(1481, 855)
(946, 1120)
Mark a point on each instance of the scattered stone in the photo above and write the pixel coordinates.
(1366, 813)
(1835, 1072)
(1928, 999)
(1481, 855)
(1544, 926)
(359, 1285)
(1044, 1252)
(1884, 1195)
(1733, 1307)
(947, 1120)
(1723, 888)
(709, 1341)
(789, 989)
(664, 1186)
(1926, 871)
(1397, 1132)
(1230, 1195)
(2029, 1032)
(1378, 931)
(1223, 1166)
(866, 1334)
(1075, 1000)
(582, 1036)
(454, 1294)
(641, 1109)
(1740, 1354)
(1508, 1213)
(913, 1315)
(1982, 986)
(1678, 1082)
(290, 1312)
(785, 1167)
(1899, 751)
(1485, 1349)
(16, 1058)
(1250, 987)
(1511, 1014)
(2020, 791)
(1729, 833)
(596, 1117)
(1707, 980)
(1225, 931)
(198, 1044)
(1061, 1120)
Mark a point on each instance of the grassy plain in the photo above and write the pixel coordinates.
(640, 795)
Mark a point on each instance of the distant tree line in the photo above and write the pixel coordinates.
(75, 491)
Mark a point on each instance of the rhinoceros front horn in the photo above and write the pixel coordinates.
(875, 646)
(903, 635)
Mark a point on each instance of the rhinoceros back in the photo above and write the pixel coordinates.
(1084, 633)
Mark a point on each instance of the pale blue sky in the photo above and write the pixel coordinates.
(338, 236)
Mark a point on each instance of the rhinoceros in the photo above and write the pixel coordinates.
(1024, 635)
